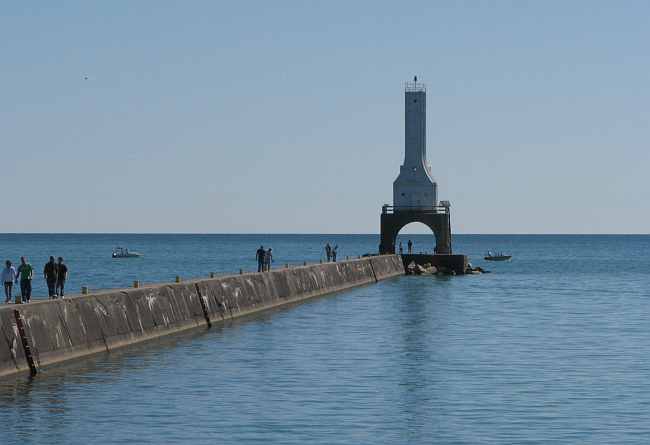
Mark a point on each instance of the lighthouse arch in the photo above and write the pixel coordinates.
(393, 223)
(421, 237)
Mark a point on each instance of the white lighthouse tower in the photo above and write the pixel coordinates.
(414, 188)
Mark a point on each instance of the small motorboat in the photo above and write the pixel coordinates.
(497, 256)
(123, 252)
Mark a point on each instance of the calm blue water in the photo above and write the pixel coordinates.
(553, 347)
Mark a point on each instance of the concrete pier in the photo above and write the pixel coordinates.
(54, 331)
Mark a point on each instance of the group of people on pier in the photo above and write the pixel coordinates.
(330, 252)
(55, 274)
(409, 245)
(264, 259)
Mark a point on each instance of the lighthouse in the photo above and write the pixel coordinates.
(415, 193)
(415, 188)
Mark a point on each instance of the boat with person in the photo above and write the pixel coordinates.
(500, 256)
(124, 252)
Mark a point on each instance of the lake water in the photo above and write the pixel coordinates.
(553, 347)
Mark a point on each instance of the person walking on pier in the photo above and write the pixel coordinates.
(61, 276)
(268, 259)
(410, 246)
(261, 253)
(334, 253)
(328, 252)
(26, 273)
(9, 276)
(49, 272)
(401, 248)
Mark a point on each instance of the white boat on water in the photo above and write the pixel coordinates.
(124, 252)
(497, 257)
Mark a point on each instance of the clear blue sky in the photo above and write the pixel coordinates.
(288, 116)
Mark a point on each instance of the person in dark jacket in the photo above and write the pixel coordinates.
(25, 272)
(261, 253)
(50, 274)
(268, 259)
(61, 276)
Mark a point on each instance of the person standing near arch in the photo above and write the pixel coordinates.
(410, 247)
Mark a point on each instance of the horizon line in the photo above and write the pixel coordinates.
(315, 233)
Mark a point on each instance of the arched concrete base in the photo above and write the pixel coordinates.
(392, 223)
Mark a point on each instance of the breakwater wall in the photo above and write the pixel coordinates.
(38, 334)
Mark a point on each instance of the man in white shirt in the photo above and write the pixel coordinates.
(9, 276)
